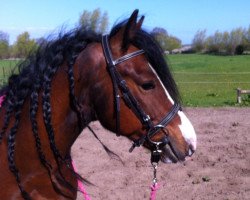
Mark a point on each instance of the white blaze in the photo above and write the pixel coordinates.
(166, 92)
(186, 127)
(187, 130)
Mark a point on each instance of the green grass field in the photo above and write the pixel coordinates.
(203, 80)
(6, 68)
(207, 80)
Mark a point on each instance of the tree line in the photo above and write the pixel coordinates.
(93, 20)
(235, 42)
(21, 48)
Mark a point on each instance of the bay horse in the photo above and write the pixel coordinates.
(120, 79)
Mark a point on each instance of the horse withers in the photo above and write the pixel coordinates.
(120, 79)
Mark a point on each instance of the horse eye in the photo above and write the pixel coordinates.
(148, 86)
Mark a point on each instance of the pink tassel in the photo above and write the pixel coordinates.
(154, 188)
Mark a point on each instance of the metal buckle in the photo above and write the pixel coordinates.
(147, 118)
(156, 154)
(159, 126)
(155, 158)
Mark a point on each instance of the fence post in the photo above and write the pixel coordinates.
(238, 95)
(3, 72)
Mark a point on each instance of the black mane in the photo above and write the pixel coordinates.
(46, 60)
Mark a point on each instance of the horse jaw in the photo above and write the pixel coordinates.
(168, 155)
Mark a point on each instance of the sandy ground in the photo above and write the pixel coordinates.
(220, 168)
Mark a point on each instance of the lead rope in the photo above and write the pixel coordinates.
(155, 186)
(155, 158)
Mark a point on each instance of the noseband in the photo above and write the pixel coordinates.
(119, 84)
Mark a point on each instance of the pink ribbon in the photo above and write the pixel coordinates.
(2, 100)
(80, 185)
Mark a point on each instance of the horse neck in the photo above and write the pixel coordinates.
(64, 118)
(67, 123)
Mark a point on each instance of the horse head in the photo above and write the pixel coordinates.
(135, 95)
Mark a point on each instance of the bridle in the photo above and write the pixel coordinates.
(120, 86)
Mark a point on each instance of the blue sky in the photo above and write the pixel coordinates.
(180, 18)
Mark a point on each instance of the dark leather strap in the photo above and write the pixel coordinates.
(165, 121)
(118, 82)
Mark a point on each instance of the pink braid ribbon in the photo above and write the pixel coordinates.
(154, 188)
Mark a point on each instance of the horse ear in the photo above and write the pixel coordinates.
(130, 29)
(139, 24)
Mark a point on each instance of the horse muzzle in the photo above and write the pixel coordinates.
(172, 155)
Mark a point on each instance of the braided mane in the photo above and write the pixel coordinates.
(35, 74)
